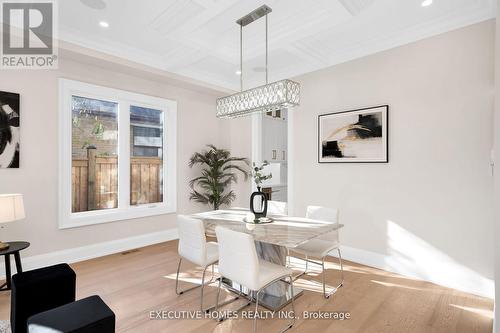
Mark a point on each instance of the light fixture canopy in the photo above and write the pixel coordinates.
(426, 3)
(269, 97)
(104, 24)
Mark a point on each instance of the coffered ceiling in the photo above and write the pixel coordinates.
(199, 39)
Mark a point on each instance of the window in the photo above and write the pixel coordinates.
(146, 159)
(117, 155)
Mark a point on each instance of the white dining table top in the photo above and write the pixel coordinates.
(284, 231)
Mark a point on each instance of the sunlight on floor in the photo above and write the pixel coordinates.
(482, 312)
(398, 285)
(412, 256)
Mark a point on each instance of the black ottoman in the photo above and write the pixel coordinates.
(88, 315)
(40, 290)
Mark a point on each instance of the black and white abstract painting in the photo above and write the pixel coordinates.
(357, 136)
(9, 130)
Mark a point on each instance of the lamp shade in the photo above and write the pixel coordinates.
(11, 207)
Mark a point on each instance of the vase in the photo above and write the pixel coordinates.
(263, 203)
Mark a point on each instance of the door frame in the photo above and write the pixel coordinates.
(257, 152)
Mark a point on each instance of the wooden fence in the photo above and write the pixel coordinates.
(99, 189)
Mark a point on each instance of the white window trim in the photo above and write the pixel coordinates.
(67, 219)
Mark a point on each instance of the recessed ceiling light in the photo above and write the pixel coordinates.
(238, 72)
(104, 24)
(426, 3)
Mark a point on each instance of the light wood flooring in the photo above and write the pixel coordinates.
(143, 280)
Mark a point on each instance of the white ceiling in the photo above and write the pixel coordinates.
(200, 39)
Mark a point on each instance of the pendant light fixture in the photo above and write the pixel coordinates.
(269, 97)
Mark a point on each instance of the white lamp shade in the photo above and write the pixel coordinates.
(11, 207)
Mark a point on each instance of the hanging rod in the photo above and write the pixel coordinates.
(258, 13)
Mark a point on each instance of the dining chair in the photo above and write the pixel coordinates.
(193, 247)
(239, 262)
(321, 246)
(277, 208)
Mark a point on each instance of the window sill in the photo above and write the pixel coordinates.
(82, 219)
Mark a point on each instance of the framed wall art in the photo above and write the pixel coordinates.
(9, 130)
(356, 136)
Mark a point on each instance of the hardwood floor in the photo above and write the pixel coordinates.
(143, 280)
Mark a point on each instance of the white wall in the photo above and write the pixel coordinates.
(37, 178)
(497, 173)
(239, 133)
(428, 213)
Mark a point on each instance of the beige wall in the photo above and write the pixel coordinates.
(428, 213)
(239, 135)
(37, 178)
(497, 173)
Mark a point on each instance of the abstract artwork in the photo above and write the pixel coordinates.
(9, 130)
(357, 136)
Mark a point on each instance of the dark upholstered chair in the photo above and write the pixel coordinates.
(88, 315)
(40, 290)
(43, 300)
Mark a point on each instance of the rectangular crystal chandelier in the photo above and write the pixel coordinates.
(269, 97)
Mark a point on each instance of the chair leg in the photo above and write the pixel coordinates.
(290, 325)
(202, 287)
(218, 294)
(217, 305)
(177, 278)
(180, 292)
(323, 273)
(341, 268)
(293, 303)
(256, 309)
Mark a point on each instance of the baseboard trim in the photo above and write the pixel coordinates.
(469, 282)
(94, 250)
(462, 278)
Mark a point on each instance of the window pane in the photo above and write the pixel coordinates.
(146, 161)
(95, 154)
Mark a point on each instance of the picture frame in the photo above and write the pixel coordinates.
(10, 134)
(354, 136)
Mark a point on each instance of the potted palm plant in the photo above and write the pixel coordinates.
(219, 171)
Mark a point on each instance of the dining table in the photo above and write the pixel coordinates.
(271, 242)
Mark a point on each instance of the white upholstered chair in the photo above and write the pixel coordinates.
(277, 208)
(238, 261)
(193, 246)
(320, 246)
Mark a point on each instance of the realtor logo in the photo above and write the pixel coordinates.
(28, 39)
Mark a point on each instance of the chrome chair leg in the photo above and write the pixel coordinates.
(293, 305)
(180, 292)
(290, 325)
(217, 305)
(334, 290)
(202, 285)
(218, 294)
(202, 288)
(322, 264)
(341, 268)
(256, 309)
